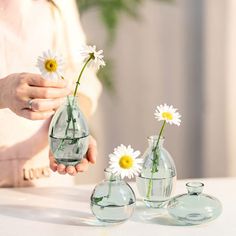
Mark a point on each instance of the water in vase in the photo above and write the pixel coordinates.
(161, 191)
(113, 201)
(113, 213)
(69, 151)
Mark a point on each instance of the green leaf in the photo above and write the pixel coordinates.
(77, 150)
(155, 161)
(69, 112)
(73, 141)
(97, 199)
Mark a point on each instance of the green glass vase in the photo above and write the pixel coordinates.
(156, 182)
(194, 207)
(112, 200)
(69, 133)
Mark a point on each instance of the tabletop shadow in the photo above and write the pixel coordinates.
(147, 215)
(51, 215)
(59, 193)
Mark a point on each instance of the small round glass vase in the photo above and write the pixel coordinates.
(112, 200)
(194, 207)
(157, 179)
(68, 133)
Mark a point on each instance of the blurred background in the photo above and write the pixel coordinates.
(179, 52)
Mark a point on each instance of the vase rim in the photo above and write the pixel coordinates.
(71, 95)
(155, 137)
(195, 184)
(194, 187)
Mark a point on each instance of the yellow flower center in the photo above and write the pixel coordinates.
(126, 162)
(51, 65)
(167, 115)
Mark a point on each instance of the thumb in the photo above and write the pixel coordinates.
(52, 162)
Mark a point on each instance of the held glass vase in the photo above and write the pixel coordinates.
(112, 200)
(69, 133)
(157, 179)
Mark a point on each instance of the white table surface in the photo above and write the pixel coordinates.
(66, 211)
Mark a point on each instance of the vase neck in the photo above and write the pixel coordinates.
(110, 177)
(71, 99)
(152, 141)
(194, 188)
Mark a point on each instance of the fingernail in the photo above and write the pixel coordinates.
(78, 168)
(61, 167)
(54, 167)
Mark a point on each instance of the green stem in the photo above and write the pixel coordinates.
(109, 188)
(81, 72)
(70, 117)
(60, 145)
(154, 161)
(160, 134)
(96, 200)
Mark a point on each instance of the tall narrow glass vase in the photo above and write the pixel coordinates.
(69, 133)
(158, 176)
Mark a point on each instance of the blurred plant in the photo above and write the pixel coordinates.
(110, 12)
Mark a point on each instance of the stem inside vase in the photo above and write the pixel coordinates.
(155, 161)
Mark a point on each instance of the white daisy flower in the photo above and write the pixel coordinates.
(124, 162)
(50, 65)
(97, 58)
(167, 113)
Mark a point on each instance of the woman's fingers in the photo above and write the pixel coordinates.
(61, 169)
(38, 81)
(71, 170)
(52, 163)
(45, 104)
(30, 96)
(32, 115)
(82, 166)
(92, 151)
(41, 109)
(47, 93)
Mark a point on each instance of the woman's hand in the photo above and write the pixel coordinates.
(91, 156)
(31, 96)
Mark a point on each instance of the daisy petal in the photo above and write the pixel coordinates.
(50, 65)
(124, 162)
